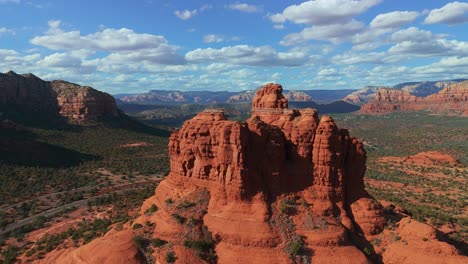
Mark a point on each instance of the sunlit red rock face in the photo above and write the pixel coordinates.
(78, 104)
(250, 168)
(83, 103)
(282, 187)
(453, 99)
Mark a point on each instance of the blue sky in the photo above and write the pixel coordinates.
(136, 46)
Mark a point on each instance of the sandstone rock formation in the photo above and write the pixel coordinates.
(78, 104)
(422, 89)
(117, 248)
(245, 96)
(283, 187)
(297, 96)
(291, 96)
(27, 91)
(83, 103)
(254, 173)
(453, 99)
(362, 96)
(419, 89)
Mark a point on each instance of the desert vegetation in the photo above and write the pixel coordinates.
(432, 191)
(102, 170)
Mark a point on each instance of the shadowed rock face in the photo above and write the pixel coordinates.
(453, 99)
(78, 104)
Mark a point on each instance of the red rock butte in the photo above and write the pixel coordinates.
(282, 187)
(75, 103)
(452, 100)
(250, 168)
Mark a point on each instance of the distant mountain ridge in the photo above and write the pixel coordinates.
(452, 100)
(420, 89)
(170, 97)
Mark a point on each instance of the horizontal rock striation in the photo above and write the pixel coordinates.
(453, 99)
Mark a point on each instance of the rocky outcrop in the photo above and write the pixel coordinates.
(245, 96)
(297, 96)
(83, 103)
(422, 89)
(453, 99)
(419, 89)
(27, 91)
(75, 103)
(282, 187)
(257, 173)
(362, 96)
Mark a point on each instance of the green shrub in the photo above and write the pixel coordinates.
(185, 204)
(153, 208)
(137, 226)
(179, 218)
(139, 241)
(171, 257)
(367, 251)
(156, 242)
(295, 247)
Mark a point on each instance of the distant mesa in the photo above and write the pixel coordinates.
(362, 96)
(285, 186)
(55, 99)
(419, 89)
(453, 99)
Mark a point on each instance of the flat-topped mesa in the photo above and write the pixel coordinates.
(453, 99)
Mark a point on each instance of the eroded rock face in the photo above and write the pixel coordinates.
(78, 104)
(270, 96)
(297, 96)
(453, 99)
(251, 168)
(83, 103)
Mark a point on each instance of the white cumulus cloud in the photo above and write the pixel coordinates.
(393, 19)
(335, 33)
(451, 13)
(248, 55)
(324, 12)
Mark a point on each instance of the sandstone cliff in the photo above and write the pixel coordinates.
(362, 96)
(453, 99)
(83, 103)
(283, 187)
(75, 103)
(245, 96)
(422, 89)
